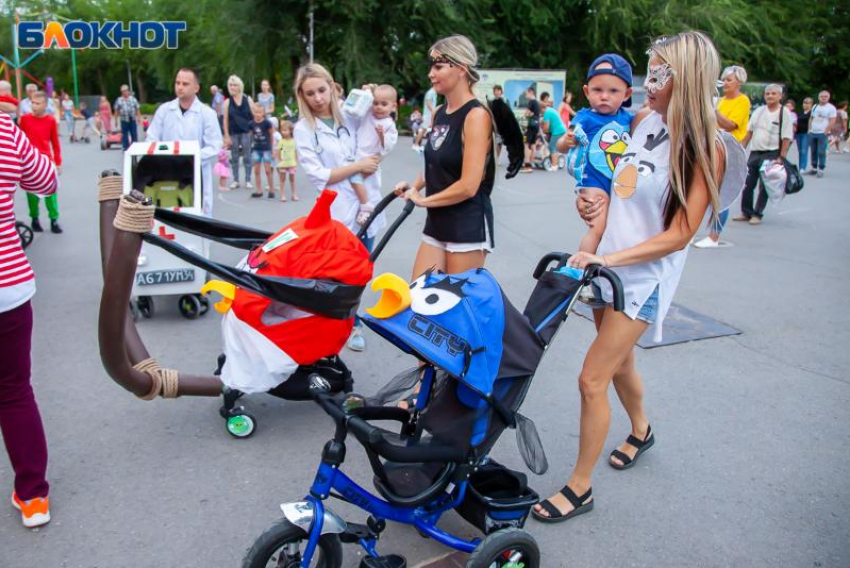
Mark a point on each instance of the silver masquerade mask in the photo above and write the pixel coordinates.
(657, 76)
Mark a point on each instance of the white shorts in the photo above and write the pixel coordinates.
(460, 247)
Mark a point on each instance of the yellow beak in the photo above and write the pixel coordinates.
(227, 291)
(395, 296)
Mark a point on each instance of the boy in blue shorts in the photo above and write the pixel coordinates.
(598, 136)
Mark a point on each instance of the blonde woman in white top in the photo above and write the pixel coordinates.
(326, 145)
(663, 186)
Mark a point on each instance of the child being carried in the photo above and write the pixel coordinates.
(598, 136)
(376, 134)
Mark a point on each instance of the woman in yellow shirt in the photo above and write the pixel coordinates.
(733, 115)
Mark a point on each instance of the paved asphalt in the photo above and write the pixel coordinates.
(750, 466)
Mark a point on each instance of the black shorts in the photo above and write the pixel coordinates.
(531, 135)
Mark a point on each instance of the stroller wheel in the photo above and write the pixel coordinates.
(506, 548)
(145, 306)
(25, 233)
(189, 306)
(281, 546)
(241, 425)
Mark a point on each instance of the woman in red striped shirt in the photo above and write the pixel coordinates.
(20, 422)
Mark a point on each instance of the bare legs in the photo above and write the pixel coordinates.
(610, 358)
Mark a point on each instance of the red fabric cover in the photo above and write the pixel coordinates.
(324, 249)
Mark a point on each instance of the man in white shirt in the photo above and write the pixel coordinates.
(769, 135)
(187, 118)
(821, 123)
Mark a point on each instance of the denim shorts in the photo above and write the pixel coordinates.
(261, 156)
(648, 312)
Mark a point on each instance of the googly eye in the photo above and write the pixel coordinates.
(644, 170)
(432, 301)
(610, 137)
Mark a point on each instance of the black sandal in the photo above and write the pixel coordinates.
(641, 445)
(555, 516)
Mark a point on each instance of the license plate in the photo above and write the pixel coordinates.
(165, 276)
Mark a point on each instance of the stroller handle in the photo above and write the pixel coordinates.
(373, 437)
(598, 271)
(361, 429)
(383, 204)
(591, 272)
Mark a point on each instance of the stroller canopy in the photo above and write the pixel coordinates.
(464, 324)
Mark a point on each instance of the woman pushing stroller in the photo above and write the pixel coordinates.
(662, 187)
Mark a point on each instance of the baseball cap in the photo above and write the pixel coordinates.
(620, 68)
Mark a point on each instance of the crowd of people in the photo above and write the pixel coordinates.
(643, 195)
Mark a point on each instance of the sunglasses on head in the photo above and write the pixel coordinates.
(441, 60)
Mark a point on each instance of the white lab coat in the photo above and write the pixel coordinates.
(198, 123)
(338, 149)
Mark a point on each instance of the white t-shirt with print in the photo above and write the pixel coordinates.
(821, 115)
(765, 128)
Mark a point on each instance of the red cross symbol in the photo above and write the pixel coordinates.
(164, 234)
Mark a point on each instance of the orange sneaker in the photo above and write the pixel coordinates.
(35, 512)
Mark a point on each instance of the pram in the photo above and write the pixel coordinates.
(478, 356)
(318, 310)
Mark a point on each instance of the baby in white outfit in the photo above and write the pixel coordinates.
(377, 134)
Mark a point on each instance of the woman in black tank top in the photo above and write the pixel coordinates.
(459, 167)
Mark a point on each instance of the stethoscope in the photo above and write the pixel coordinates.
(339, 130)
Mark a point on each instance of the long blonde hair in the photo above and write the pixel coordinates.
(691, 121)
(316, 71)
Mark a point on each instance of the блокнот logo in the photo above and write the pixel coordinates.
(95, 35)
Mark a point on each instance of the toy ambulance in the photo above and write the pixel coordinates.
(170, 174)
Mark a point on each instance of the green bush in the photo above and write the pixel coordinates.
(148, 108)
(403, 119)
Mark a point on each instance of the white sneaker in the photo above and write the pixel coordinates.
(249, 185)
(357, 342)
(234, 185)
(705, 243)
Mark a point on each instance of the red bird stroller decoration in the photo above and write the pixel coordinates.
(266, 340)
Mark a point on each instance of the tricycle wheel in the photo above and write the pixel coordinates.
(281, 546)
(189, 306)
(205, 303)
(241, 424)
(145, 306)
(134, 311)
(506, 548)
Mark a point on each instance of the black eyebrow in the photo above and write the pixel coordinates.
(628, 155)
(650, 166)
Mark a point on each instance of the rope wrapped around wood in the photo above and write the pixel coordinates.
(133, 217)
(110, 188)
(164, 382)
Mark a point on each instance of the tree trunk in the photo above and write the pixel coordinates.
(141, 93)
(101, 81)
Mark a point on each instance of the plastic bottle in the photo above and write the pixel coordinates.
(358, 102)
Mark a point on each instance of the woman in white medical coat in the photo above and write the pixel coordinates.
(326, 146)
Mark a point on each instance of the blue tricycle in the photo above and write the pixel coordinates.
(478, 356)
